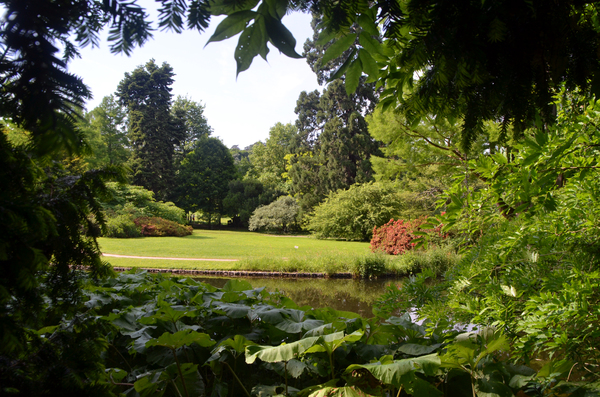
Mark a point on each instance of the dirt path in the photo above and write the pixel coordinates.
(174, 259)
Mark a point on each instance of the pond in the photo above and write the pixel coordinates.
(351, 295)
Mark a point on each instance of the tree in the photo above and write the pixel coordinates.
(268, 159)
(204, 176)
(106, 132)
(333, 146)
(191, 115)
(241, 158)
(153, 131)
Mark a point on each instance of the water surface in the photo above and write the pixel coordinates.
(341, 294)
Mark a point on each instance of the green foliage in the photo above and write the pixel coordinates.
(268, 159)
(353, 213)
(172, 336)
(122, 226)
(430, 148)
(280, 216)
(370, 266)
(136, 201)
(204, 176)
(244, 197)
(50, 221)
(106, 132)
(530, 241)
(437, 259)
(190, 115)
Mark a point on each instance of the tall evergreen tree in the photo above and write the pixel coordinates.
(153, 131)
(333, 146)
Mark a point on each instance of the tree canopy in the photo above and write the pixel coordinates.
(204, 176)
(484, 60)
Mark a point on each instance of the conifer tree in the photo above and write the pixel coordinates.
(153, 131)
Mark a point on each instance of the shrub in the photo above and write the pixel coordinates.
(137, 201)
(395, 237)
(281, 216)
(122, 226)
(159, 227)
(353, 213)
(369, 266)
(436, 260)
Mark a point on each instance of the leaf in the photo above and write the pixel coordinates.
(252, 42)
(369, 65)
(141, 337)
(226, 7)
(272, 391)
(338, 48)
(181, 338)
(368, 25)
(342, 69)
(498, 343)
(284, 352)
(416, 386)
(493, 389)
(232, 25)
(281, 37)
(238, 343)
(417, 350)
(346, 391)
(391, 374)
(232, 310)
(353, 76)
(194, 385)
(237, 285)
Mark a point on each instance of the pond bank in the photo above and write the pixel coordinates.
(251, 273)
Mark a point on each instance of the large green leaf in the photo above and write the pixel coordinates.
(346, 391)
(284, 352)
(296, 322)
(228, 7)
(369, 65)
(417, 350)
(391, 374)
(338, 48)
(353, 76)
(181, 338)
(281, 37)
(232, 310)
(232, 25)
(273, 391)
(331, 342)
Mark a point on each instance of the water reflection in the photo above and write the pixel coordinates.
(341, 294)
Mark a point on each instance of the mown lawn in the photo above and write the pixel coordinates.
(219, 244)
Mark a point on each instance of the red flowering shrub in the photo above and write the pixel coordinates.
(395, 237)
(158, 227)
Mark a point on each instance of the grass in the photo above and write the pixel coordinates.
(260, 252)
(219, 244)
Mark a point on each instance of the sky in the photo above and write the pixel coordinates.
(241, 111)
